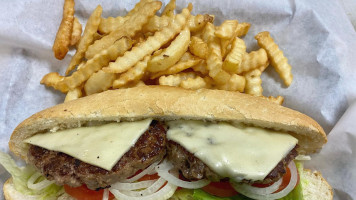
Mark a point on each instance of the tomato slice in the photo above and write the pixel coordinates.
(149, 177)
(84, 193)
(220, 189)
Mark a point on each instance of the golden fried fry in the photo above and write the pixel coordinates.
(278, 100)
(175, 79)
(194, 83)
(169, 9)
(107, 25)
(61, 43)
(214, 59)
(275, 55)
(253, 83)
(182, 64)
(234, 58)
(227, 29)
(88, 37)
(133, 74)
(253, 60)
(130, 27)
(73, 94)
(242, 29)
(157, 23)
(153, 43)
(55, 80)
(171, 54)
(133, 84)
(201, 67)
(235, 83)
(196, 23)
(138, 7)
(198, 47)
(91, 66)
(99, 82)
(76, 33)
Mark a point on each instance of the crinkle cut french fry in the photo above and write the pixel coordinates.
(183, 64)
(234, 58)
(55, 80)
(76, 33)
(175, 79)
(198, 47)
(242, 29)
(91, 66)
(152, 44)
(193, 83)
(99, 82)
(171, 54)
(61, 43)
(76, 93)
(227, 29)
(157, 23)
(278, 100)
(169, 9)
(201, 68)
(107, 25)
(196, 23)
(138, 7)
(275, 55)
(253, 60)
(253, 83)
(131, 26)
(99, 61)
(88, 37)
(214, 59)
(235, 83)
(133, 74)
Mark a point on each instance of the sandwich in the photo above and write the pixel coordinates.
(157, 142)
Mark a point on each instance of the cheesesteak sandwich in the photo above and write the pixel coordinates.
(155, 142)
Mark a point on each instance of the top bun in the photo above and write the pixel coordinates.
(171, 103)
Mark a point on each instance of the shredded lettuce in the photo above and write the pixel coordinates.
(21, 175)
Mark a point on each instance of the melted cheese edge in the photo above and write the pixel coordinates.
(102, 146)
(236, 152)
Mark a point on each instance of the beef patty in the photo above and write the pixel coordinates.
(64, 169)
(193, 168)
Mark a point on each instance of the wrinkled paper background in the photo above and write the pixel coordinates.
(316, 36)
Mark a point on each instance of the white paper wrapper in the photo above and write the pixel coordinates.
(316, 37)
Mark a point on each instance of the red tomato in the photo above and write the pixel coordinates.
(220, 189)
(84, 193)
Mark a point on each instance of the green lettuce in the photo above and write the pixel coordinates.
(20, 176)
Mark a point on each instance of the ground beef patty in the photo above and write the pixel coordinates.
(193, 168)
(64, 169)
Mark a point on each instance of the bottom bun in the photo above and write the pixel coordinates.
(315, 187)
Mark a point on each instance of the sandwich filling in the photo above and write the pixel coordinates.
(197, 149)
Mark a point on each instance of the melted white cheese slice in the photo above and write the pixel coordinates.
(236, 152)
(102, 146)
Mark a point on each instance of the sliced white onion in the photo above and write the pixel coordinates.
(141, 174)
(106, 194)
(241, 188)
(132, 186)
(40, 185)
(166, 192)
(163, 171)
(150, 190)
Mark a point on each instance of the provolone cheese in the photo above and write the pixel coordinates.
(236, 152)
(101, 146)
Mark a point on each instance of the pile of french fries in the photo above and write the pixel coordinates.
(143, 48)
